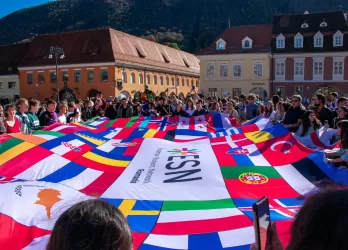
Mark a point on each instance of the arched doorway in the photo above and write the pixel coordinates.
(261, 92)
(92, 93)
(137, 96)
(67, 94)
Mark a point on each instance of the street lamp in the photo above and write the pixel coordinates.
(56, 53)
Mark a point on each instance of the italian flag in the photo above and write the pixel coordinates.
(198, 217)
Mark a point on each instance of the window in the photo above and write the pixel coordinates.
(212, 92)
(196, 83)
(237, 71)
(220, 44)
(41, 78)
(318, 40)
(258, 70)
(53, 77)
(323, 24)
(148, 79)
(172, 82)
(223, 71)
(280, 42)
(246, 44)
(187, 83)
(280, 69)
(141, 79)
(132, 78)
(192, 83)
(104, 76)
(182, 82)
(298, 90)
(155, 80)
(11, 85)
(298, 43)
(77, 76)
(167, 81)
(161, 80)
(124, 77)
(304, 25)
(236, 92)
(65, 76)
(280, 91)
(338, 65)
(299, 69)
(1, 85)
(90, 76)
(318, 69)
(210, 71)
(177, 81)
(30, 78)
(338, 39)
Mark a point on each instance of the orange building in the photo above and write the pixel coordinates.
(95, 60)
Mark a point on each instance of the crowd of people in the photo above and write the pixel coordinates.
(300, 116)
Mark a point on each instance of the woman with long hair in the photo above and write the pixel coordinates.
(309, 124)
(279, 114)
(12, 124)
(340, 157)
(22, 107)
(342, 113)
(215, 107)
(230, 110)
(269, 111)
(260, 110)
(190, 107)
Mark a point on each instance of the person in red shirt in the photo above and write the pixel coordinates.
(12, 125)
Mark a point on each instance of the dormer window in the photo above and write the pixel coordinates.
(318, 40)
(220, 44)
(323, 24)
(304, 25)
(298, 41)
(247, 43)
(280, 42)
(338, 39)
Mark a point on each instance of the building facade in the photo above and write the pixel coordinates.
(10, 57)
(96, 60)
(310, 54)
(237, 62)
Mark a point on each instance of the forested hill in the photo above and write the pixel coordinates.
(192, 24)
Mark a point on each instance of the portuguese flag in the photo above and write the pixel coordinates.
(256, 182)
(198, 217)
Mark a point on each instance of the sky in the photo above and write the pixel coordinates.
(9, 6)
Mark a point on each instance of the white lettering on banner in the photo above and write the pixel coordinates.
(164, 170)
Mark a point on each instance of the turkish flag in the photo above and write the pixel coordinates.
(283, 150)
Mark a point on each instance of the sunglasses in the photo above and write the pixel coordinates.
(292, 101)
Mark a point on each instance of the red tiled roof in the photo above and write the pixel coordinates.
(260, 34)
(11, 56)
(108, 45)
(127, 48)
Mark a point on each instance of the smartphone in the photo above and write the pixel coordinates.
(262, 220)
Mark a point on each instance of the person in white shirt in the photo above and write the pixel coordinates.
(190, 108)
(63, 108)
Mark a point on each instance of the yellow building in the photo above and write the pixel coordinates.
(237, 62)
(95, 60)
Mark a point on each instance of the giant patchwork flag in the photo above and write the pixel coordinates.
(182, 183)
